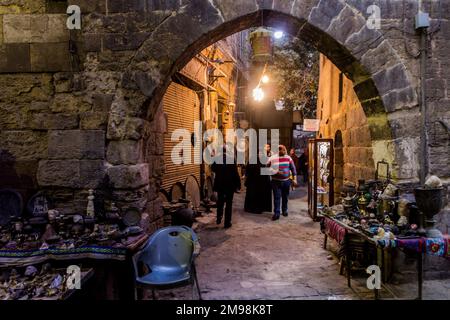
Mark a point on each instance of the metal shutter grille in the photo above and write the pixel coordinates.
(182, 107)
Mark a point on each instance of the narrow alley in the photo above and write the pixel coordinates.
(258, 259)
(261, 259)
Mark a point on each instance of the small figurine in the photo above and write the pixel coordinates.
(113, 213)
(402, 221)
(364, 224)
(77, 219)
(90, 211)
(387, 220)
(56, 282)
(390, 190)
(40, 207)
(14, 274)
(52, 215)
(18, 226)
(49, 234)
(31, 272)
(380, 234)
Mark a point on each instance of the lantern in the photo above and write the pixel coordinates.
(261, 40)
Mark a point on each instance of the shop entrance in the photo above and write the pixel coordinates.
(360, 81)
(272, 242)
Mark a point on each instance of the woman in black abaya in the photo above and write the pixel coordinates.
(258, 197)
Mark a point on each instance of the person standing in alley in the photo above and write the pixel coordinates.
(226, 182)
(282, 167)
(303, 164)
(258, 195)
(296, 163)
(268, 150)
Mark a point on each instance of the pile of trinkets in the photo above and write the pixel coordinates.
(178, 212)
(31, 283)
(47, 228)
(376, 208)
(181, 211)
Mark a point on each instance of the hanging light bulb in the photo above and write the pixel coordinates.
(265, 79)
(278, 34)
(258, 94)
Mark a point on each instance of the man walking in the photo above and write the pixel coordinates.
(282, 166)
(226, 182)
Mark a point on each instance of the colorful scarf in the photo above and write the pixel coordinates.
(333, 230)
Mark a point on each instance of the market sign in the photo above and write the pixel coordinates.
(311, 124)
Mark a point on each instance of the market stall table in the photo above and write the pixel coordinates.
(86, 275)
(339, 231)
(116, 267)
(421, 246)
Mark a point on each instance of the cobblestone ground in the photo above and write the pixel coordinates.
(261, 259)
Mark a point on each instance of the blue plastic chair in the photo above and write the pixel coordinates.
(168, 260)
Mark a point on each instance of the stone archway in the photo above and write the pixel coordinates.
(337, 29)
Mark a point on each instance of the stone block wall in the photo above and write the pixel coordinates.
(61, 130)
(349, 118)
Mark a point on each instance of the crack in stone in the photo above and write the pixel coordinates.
(218, 10)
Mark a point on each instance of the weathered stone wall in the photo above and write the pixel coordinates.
(347, 117)
(85, 113)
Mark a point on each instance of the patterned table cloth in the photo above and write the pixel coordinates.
(26, 257)
(431, 246)
(333, 229)
(19, 257)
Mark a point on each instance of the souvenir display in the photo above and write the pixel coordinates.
(114, 213)
(46, 228)
(321, 173)
(38, 205)
(30, 283)
(377, 209)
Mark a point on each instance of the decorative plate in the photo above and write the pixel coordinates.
(11, 205)
(38, 205)
(193, 191)
(132, 217)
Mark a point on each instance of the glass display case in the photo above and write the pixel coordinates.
(321, 175)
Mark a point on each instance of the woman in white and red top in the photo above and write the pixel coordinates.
(282, 166)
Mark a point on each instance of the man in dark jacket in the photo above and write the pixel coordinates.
(226, 182)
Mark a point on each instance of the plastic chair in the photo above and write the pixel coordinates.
(167, 260)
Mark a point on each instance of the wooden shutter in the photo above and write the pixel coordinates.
(182, 107)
